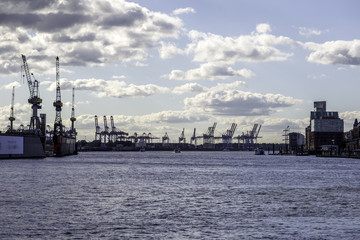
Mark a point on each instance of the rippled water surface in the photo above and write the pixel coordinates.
(191, 195)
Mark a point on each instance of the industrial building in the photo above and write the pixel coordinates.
(326, 128)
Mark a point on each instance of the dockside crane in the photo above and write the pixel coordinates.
(12, 118)
(34, 98)
(182, 138)
(228, 135)
(165, 139)
(193, 138)
(58, 126)
(73, 119)
(106, 132)
(97, 129)
(208, 137)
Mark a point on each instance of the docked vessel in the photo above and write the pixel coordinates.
(20, 145)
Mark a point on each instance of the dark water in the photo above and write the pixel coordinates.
(191, 195)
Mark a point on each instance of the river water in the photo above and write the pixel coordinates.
(191, 195)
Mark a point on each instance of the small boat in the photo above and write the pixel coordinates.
(177, 150)
(142, 149)
(259, 151)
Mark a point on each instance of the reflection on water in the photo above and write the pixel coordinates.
(192, 195)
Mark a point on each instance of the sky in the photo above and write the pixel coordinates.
(160, 66)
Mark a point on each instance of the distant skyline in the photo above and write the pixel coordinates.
(161, 66)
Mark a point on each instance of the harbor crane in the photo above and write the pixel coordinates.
(165, 139)
(34, 98)
(228, 135)
(182, 138)
(73, 119)
(97, 129)
(193, 138)
(116, 135)
(12, 118)
(58, 126)
(250, 138)
(106, 132)
(208, 137)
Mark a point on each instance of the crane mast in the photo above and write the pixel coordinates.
(12, 118)
(58, 131)
(34, 98)
(73, 119)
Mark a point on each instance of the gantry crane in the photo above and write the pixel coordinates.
(97, 129)
(193, 138)
(12, 118)
(182, 138)
(228, 135)
(34, 98)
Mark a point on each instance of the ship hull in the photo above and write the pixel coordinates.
(21, 146)
(64, 146)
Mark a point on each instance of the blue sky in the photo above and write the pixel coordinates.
(160, 66)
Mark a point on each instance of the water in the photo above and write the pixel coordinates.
(191, 195)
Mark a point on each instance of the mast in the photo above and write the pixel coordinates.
(73, 119)
(12, 118)
(58, 131)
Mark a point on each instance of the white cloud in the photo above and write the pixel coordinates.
(183, 11)
(118, 77)
(209, 71)
(335, 52)
(11, 85)
(168, 50)
(308, 32)
(263, 28)
(110, 88)
(256, 47)
(225, 99)
(87, 33)
(188, 87)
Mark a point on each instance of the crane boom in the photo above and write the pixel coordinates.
(28, 77)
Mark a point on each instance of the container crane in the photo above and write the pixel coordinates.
(193, 138)
(12, 118)
(34, 98)
(97, 129)
(106, 132)
(182, 138)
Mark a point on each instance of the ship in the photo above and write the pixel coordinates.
(21, 146)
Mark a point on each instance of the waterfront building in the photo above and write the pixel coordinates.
(352, 139)
(326, 128)
(296, 142)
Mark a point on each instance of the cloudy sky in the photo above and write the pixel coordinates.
(161, 66)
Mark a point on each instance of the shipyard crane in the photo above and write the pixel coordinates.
(106, 132)
(182, 138)
(73, 119)
(193, 138)
(228, 135)
(34, 98)
(165, 139)
(12, 118)
(58, 127)
(208, 137)
(97, 129)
